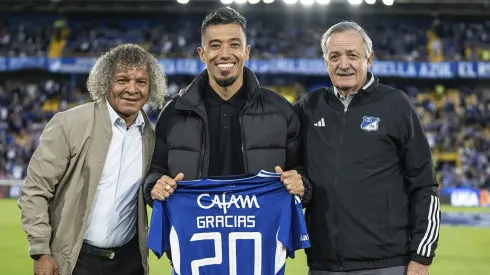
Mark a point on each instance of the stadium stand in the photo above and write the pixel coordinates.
(457, 123)
(456, 119)
(415, 39)
(24, 36)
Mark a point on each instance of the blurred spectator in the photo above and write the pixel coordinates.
(457, 126)
(24, 39)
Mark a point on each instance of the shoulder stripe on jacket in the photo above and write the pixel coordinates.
(432, 231)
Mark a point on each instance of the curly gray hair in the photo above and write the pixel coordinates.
(103, 72)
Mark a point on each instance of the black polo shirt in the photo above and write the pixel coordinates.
(224, 132)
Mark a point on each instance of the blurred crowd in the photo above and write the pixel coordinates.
(457, 124)
(408, 39)
(25, 108)
(29, 38)
(394, 38)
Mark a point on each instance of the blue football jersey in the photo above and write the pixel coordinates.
(244, 225)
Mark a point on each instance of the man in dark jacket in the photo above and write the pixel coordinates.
(224, 123)
(375, 208)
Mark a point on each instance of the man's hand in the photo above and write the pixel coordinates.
(45, 265)
(293, 181)
(165, 187)
(415, 268)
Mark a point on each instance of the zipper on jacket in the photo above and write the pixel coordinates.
(200, 165)
(344, 115)
(242, 132)
(245, 164)
(201, 157)
(336, 218)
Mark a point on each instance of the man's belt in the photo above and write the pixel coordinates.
(108, 253)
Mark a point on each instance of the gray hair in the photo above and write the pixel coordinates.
(347, 26)
(103, 72)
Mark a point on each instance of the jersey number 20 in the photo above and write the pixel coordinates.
(218, 250)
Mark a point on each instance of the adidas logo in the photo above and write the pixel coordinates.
(320, 123)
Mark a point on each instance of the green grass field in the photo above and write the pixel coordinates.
(462, 251)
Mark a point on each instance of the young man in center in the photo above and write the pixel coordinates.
(224, 122)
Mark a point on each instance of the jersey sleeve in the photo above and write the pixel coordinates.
(293, 233)
(299, 231)
(159, 232)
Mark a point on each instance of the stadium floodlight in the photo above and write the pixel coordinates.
(182, 1)
(307, 2)
(370, 2)
(290, 2)
(355, 2)
(226, 2)
(323, 2)
(388, 2)
(240, 1)
(268, 1)
(253, 1)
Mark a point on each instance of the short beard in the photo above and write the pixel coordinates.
(225, 82)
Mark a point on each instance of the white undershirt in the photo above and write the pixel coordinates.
(113, 215)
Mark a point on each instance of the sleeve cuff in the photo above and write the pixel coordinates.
(39, 246)
(305, 200)
(421, 259)
(148, 184)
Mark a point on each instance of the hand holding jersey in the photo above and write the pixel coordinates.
(246, 223)
(165, 186)
(292, 181)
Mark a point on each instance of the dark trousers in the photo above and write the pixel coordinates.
(126, 261)
(397, 270)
